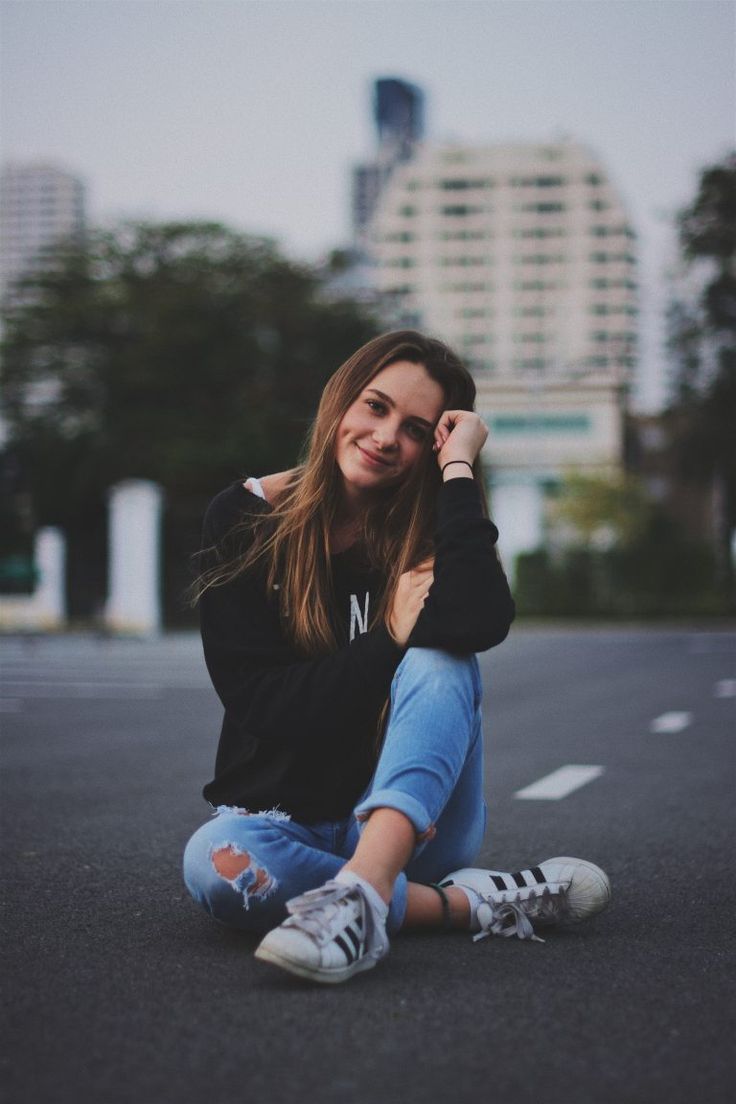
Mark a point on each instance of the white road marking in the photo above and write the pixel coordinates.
(671, 722)
(726, 688)
(559, 783)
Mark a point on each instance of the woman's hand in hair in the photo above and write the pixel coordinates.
(459, 435)
(411, 592)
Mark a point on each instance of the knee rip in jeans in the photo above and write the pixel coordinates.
(244, 872)
(272, 814)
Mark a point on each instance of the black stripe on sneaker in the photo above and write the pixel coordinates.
(519, 879)
(498, 881)
(346, 950)
(538, 875)
(353, 939)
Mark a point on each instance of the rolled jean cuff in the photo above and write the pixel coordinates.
(403, 803)
(397, 907)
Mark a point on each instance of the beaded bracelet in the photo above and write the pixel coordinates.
(442, 471)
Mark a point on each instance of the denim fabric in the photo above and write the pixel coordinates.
(430, 769)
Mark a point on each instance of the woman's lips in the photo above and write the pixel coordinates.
(373, 460)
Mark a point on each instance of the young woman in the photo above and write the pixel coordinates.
(342, 603)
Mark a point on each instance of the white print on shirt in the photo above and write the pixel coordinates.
(356, 618)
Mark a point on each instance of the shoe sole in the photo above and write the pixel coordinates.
(324, 977)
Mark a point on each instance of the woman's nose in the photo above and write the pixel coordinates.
(384, 436)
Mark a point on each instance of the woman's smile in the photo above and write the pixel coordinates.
(372, 459)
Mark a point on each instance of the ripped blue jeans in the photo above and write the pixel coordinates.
(243, 867)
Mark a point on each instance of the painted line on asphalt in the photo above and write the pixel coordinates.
(725, 688)
(675, 721)
(560, 783)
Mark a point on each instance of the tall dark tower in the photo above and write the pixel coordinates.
(398, 112)
(398, 109)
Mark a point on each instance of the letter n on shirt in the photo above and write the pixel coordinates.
(358, 619)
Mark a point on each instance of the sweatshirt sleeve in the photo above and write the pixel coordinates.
(266, 691)
(469, 607)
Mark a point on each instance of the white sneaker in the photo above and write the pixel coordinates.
(332, 933)
(558, 890)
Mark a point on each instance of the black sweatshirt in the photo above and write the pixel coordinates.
(299, 734)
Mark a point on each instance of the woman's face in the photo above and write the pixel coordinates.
(388, 427)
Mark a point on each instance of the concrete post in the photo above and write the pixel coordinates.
(45, 609)
(518, 510)
(134, 542)
(50, 595)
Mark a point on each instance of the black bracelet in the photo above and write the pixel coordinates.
(446, 915)
(442, 470)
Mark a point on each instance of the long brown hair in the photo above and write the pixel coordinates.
(397, 528)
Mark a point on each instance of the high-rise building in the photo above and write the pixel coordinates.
(398, 114)
(521, 255)
(40, 205)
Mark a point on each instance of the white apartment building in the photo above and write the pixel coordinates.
(522, 257)
(40, 204)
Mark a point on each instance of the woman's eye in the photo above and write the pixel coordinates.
(417, 432)
(375, 405)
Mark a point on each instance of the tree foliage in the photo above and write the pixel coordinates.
(703, 341)
(185, 353)
(603, 510)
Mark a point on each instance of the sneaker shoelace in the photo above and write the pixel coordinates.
(511, 917)
(321, 912)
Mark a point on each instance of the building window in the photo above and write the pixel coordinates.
(535, 311)
(543, 208)
(407, 210)
(539, 258)
(540, 232)
(464, 235)
(474, 312)
(529, 364)
(467, 287)
(462, 261)
(460, 209)
(462, 184)
(535, 285)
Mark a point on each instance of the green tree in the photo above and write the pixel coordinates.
(614, 552)
(703, 340)
(185, 353)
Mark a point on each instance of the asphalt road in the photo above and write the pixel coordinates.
(117, 988)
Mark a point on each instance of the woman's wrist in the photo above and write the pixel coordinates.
(456, 469)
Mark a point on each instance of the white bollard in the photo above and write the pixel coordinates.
(49, 598)
(45, 609)
(518, 511)
(134, 565)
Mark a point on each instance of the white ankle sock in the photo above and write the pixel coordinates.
(474, 899)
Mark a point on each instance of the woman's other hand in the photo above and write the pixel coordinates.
(409, 598)
(459, 435)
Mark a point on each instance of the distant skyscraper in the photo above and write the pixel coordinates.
(398, 110)
(40, 205)
(398, 114)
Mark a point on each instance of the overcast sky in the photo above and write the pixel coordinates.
(252, 111)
